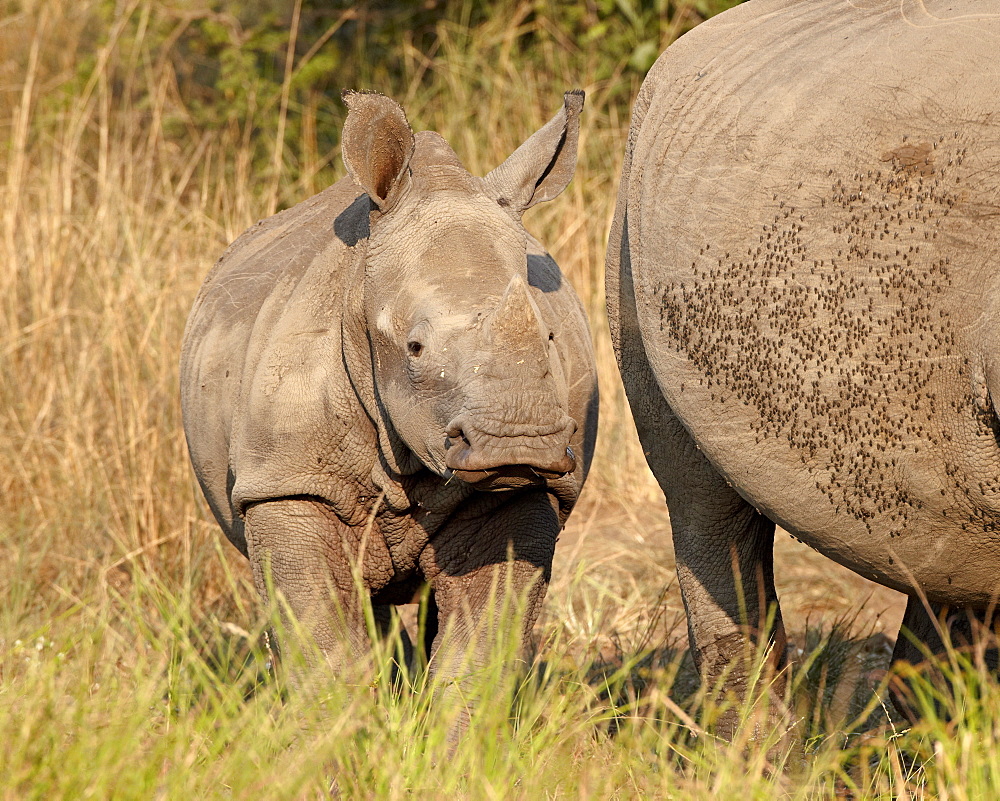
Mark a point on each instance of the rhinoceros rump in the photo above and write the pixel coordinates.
(803, 279)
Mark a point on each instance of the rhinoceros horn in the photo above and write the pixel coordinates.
(514, 325)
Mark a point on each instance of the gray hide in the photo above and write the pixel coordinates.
(392, 381)
(803, 280)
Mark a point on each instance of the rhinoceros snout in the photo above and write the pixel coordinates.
(491, 461)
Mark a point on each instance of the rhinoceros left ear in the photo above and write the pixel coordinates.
(377, 145)
(541, 167)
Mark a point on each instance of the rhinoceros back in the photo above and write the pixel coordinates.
(234, 315)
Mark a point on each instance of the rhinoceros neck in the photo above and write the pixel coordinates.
(396, 459)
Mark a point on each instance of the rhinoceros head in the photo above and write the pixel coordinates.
(464, 361)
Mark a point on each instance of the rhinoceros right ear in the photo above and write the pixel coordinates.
(541, 167)
(377, 144)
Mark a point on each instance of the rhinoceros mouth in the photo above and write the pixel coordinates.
(496, 463)
(508, 477)
(481, 470)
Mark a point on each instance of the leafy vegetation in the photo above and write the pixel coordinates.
(137, 140)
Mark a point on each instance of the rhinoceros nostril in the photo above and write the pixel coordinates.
(454, 435)
(567, 464)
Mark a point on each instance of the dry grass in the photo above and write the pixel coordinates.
(108, 230)
(125, 624)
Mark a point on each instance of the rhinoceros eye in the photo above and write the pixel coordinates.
(414, 348)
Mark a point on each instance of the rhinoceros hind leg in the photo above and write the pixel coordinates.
(723, 546)
(971, 634)
(725, 567)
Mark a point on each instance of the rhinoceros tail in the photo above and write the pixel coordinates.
(617, 257)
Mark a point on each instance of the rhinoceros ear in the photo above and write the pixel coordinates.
(541, 167)
(377, 144)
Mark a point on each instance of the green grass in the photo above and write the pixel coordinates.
(141, 695)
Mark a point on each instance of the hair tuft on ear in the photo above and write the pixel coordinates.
(377, 145)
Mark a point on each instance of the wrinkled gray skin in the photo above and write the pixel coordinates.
(803, 281)
(392, 381)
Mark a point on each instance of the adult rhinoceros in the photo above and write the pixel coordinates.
(391, 384)
(803, 281)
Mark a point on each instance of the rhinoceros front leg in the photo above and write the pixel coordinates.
(298, 548)
(489, 570)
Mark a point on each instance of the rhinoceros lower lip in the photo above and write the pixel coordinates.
(545, 463)
(509, 477)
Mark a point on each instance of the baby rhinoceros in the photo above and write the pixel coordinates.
(391, 385)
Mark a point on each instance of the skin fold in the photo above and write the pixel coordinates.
(803, 278)
(391, 384)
